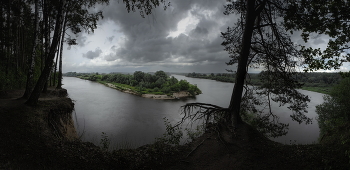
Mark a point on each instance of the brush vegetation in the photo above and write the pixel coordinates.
(142, 83)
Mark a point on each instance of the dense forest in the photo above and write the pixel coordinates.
(144, 83)
(32, 36)
(313, 81)
(333, 114)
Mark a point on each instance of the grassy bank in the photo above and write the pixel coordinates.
(324, 90)
(124, 87)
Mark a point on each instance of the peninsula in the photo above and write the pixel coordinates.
(156, 86)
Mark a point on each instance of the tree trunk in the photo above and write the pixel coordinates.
(47, 38)
(9, 39)
(33, 99)
(59, 79)
(235, 103)
(55, 69)
(30, 75)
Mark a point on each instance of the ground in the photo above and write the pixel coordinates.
(29, 142)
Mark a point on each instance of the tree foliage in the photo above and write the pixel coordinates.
(16, 44)
(145, 7)
(223, 77)
(145, 82)
(329, 18)
(333, 114)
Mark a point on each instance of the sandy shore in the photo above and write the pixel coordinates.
(177, 95)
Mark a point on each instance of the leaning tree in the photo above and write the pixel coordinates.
(259, 40)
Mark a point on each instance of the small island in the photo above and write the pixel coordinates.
(156, 86)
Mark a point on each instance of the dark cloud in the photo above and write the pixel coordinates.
(93, 54)
(112, 56)
(81, 38)
(110, 39)
(147, 41)
(199, 32)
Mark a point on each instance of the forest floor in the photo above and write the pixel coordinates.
(28, 142)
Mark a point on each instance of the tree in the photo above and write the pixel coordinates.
(173, 80)
(33, 99)
(59, 80)
(144, 6)
(184, 85)
(138, 76)
(259, 40)
(161, 74)
(78, 18)
(31, 60)
(85, 21)
(333, 113)
(16, 42)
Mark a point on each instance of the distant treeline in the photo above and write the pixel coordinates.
(157, 83)
(223, 77)
(308, 79)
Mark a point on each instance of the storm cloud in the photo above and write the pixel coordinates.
(148, 40)
(184, 38)
(93, 54)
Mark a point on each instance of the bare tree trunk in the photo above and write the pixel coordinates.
(33, 99)
(55, 70)
(236, 98)
(30, 75)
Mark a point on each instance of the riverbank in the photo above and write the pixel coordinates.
(178, 95)
(313, 81)
(28, 142)
(320, 89)
(43, 136)
(323, 90)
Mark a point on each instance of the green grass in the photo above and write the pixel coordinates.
(83, 77)
(324, 90)
(135, 89)
(120, 86)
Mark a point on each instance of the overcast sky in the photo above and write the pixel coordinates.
(184, 38)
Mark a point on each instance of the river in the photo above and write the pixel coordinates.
(132, 121)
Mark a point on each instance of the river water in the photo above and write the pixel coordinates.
(132, 121)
